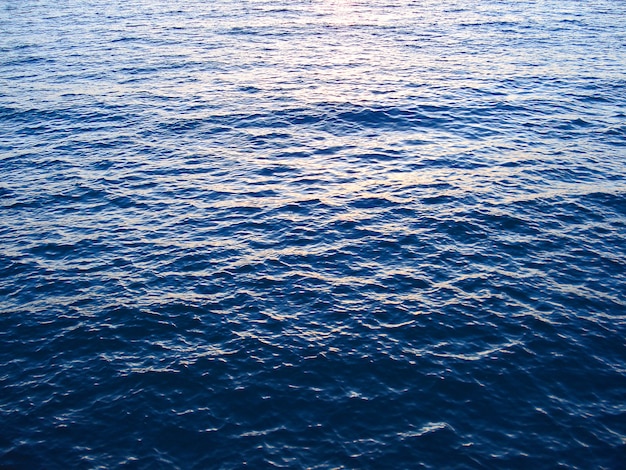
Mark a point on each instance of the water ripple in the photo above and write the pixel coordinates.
(312, 234)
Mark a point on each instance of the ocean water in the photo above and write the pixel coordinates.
(313, 234)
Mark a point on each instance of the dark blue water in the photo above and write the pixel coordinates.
(313, 234)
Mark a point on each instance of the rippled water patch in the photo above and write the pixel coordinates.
(312, 234)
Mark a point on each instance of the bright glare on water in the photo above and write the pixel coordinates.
(313, 234)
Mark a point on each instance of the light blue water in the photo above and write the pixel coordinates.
(313, 234)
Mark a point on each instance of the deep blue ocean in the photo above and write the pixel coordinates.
(313, 234)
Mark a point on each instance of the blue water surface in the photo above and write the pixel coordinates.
(313, 234)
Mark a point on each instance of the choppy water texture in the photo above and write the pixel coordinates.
(313, 234)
